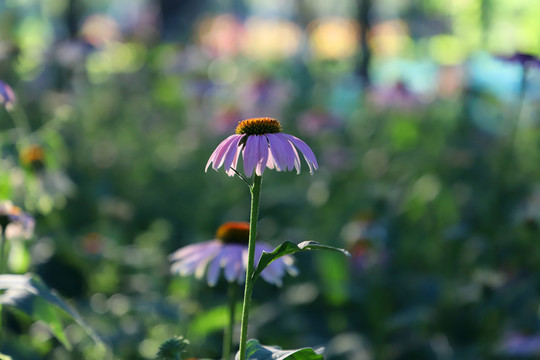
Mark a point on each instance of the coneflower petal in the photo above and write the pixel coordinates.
(309, 156)
(232, 154)
(213, 270)
(211, 256)
(219, 152)
(263, 155)
(232, 168)
(277, 152)
(251, 154)
(289, 152)
(225, 151)
(233, 263)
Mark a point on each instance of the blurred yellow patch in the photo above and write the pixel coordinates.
(389, 38)
(333, 38)
(271, 39)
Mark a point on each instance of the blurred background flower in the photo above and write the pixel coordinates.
(7, 97)
(14, 222)
(229, 251)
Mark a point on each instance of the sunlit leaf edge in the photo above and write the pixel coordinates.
(256, 351)
(288, 248)
(34, 286)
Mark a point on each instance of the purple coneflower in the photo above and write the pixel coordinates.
(229, 250)
(7, 96)
(262, 144)
(14, 222)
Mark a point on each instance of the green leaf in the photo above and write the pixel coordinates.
(43, 311)
(212, 320)
(256, 351)
(288, 248)
(30, 295)
(5, 357)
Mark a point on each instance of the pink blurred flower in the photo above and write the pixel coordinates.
(224, 118)
(262, 145)
(7, 96)
(517, 344)
(263, 94)
(366, 240)
(229, 250)
(315, 120)
(397, 96)
(221, 35)
(15, 222)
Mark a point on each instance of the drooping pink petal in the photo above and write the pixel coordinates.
(287, 151)
(288, 262)
(187, 265)
(263, 155)
(275, 270)
(233, 264)
(201, 266)
(232, 168)
(213, 270)
(212, 157)
(232, 154)
(297, 164)
(193, 248)
(271, 276)
(277, 155)
(259, 248)
(271, 162)
(309, 156)
(186, 260)
(251, 154)
(228, 151)
(218, 155)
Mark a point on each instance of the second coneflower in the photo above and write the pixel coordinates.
(261, 144)
(228, 251)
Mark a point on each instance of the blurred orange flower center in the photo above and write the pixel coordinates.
(31, 154)
(234, 233)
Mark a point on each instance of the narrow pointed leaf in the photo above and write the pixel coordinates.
(29, 294)
(256, 351)
(288, 248)
(43, 311)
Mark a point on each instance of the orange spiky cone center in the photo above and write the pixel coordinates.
(258, 126)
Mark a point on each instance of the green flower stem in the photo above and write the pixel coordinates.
(3, 259)
(22, 125)
(519, 110)
(2, 267)
(229, 330)
(507, 162)
(253, 219)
